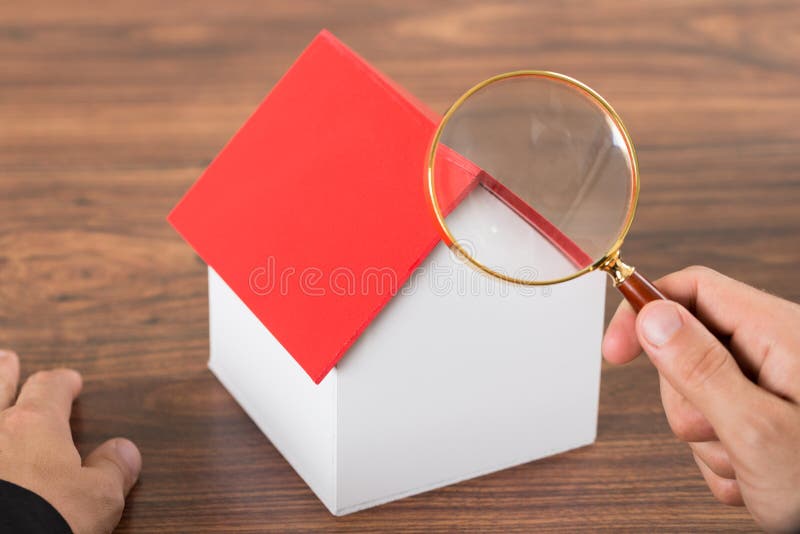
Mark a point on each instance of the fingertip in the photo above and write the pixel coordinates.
(658, 321)
(9, 359)
(130, 455)
(9, 377)
(79, 378)
(75, 379)
(611, 347)
(118, 458)
(725, 490)
(620, 344)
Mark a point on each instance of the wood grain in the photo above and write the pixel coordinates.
(110, 110)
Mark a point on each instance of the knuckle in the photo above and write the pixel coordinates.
(757, 432)
(108, 495)
(727, 492)
(21, 416)
(689, 425)
(722, 467)
(716, 458)
(40, 377)
(681, 426)
(50, 375)
(700, 271)
(115, 501)
(698, 370)
(701, 276)
(10, 353)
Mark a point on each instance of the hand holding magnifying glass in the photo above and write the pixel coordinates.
(556, 184)
(552, 189)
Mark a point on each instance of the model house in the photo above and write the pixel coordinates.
(378, 364)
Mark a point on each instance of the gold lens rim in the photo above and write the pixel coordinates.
(448, 236)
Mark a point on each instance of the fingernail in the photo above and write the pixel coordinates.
(129, 454)
(660, 323)
(4, 353)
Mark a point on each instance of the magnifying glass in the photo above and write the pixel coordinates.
(550, 185)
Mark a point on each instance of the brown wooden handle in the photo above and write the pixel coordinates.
(638, 290)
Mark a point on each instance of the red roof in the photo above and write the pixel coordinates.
(315, 212)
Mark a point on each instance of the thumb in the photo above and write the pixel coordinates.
(119, 460)
(696, 364)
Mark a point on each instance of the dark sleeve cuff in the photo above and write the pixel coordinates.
(24, 512)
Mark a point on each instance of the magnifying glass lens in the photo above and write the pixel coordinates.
(555, 178)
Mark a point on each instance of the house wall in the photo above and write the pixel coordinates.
(298, 416)
(459, 375)
(446, 385)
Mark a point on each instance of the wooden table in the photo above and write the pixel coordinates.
(109, 111)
